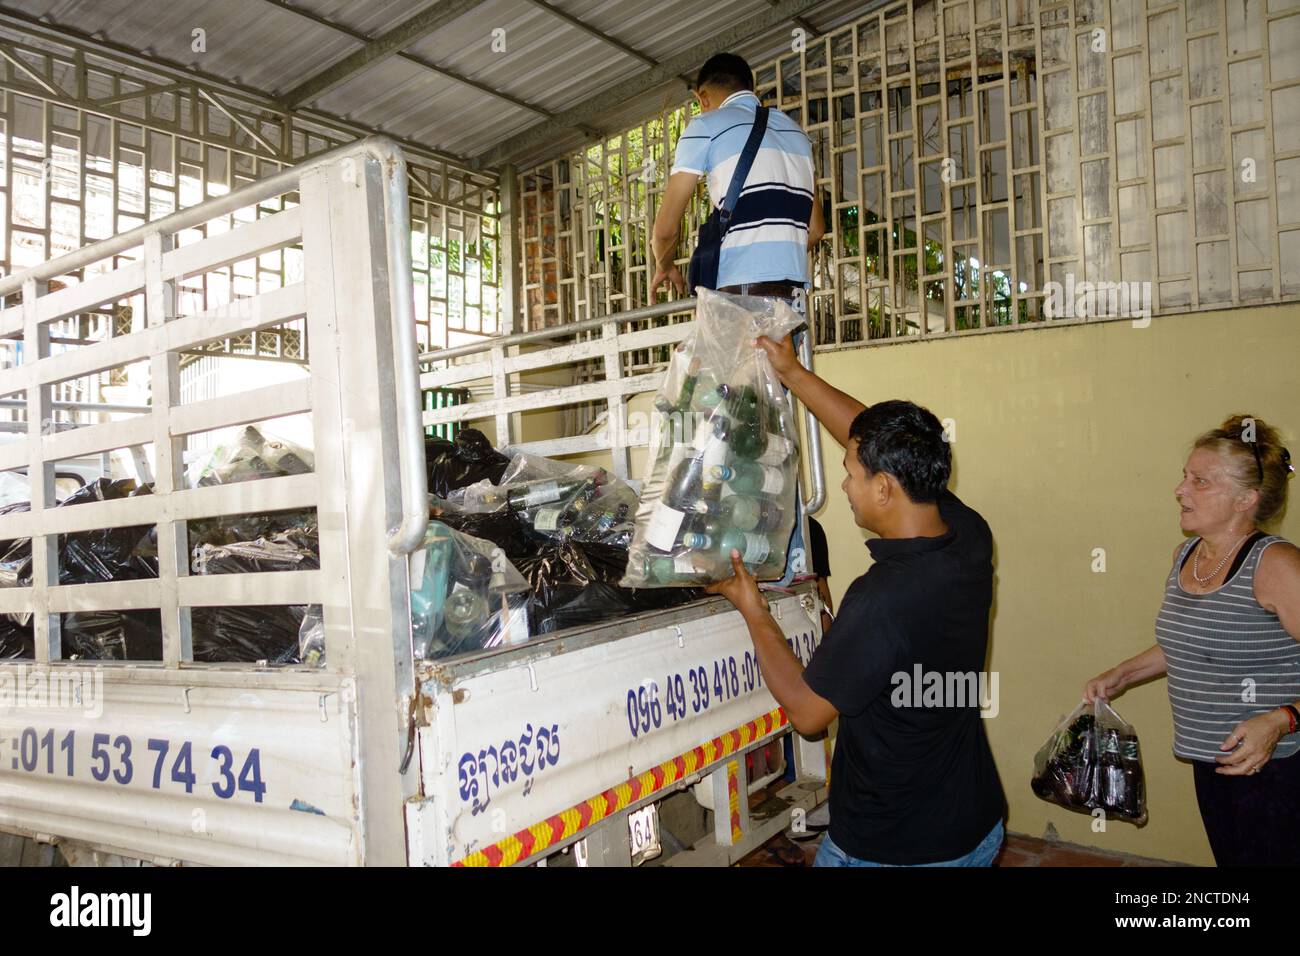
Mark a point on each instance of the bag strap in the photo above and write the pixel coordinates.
(741, 172)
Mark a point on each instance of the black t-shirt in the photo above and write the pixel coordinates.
(913, 784)
(818, 553)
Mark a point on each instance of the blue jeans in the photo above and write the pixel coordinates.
(983, 855)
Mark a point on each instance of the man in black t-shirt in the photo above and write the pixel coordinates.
(913, 781)
(819, 559)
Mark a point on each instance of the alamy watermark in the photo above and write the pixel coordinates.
(58, 688)
(1094, 300)
(948, 689)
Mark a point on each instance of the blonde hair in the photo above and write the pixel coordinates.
(1239, 441)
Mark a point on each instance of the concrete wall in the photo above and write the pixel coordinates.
(1069, 440)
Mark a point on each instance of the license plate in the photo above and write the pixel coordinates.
(643, 832)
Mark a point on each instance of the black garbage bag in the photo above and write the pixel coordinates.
(250, 634)
(1092, 761)
(235, 528)
(455, 464)
(112, 636)
(17, 641)
(576, 582)
(247, 634)
(89, 557)
(507, 530)
(15, 507)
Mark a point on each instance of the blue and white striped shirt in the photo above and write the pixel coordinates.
(768, 239)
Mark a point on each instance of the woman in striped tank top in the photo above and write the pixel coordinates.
(1228, 637)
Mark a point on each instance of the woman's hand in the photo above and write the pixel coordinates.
(1107, 686)
(741, 589)
(1255, 739)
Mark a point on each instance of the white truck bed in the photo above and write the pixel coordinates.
(375, 758)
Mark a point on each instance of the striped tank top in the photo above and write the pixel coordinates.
(1228, 658)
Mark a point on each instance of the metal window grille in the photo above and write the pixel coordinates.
(970, 153)
(93, 145)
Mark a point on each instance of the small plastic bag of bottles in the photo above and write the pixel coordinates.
(1092, 761)
(554, 498)
(723, 465)
(465, 596)
(252, 455)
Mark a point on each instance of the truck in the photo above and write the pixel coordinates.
(555, 751)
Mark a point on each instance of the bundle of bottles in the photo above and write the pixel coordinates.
(555, 499)
(1092, 761)
(728, 481)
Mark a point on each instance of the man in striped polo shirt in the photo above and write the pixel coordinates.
(775, 223)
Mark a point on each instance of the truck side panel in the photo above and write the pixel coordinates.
(128, 761)
(519, 759)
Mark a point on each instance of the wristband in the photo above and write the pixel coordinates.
(1293, 715)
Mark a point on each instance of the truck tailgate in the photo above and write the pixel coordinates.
(525, 748)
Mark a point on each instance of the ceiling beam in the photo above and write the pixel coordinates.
(602, 36)
(411, 58)
(803, 23)
(379, 49)
(592, 31)
(77, 40)
(588, 112)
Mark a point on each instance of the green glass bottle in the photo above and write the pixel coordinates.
(754, 548)
(746, 513)
(685, 394)
(748, 478)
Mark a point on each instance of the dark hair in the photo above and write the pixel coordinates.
(905, 440)
(1255, 459)
(725, 70)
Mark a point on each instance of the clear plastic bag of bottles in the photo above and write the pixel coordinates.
(554, 498)
(1092, 761)
(465, 596)
(724, 455)
(253, 454)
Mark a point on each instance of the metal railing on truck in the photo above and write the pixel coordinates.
(506, 358)
(480, 711)
(367, 489)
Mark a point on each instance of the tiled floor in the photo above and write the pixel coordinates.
(1019, 850)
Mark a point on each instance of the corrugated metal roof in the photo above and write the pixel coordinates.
(548, 63)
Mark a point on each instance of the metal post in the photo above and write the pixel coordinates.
(508, 233)
(366, 607)
(164, 380)
(608, 844)
(617, 421)
(730, 803)
(47, 628)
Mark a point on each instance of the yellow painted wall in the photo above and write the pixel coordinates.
(1068, 440)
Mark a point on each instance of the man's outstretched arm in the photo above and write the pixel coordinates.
(809, 712)
(833, 408)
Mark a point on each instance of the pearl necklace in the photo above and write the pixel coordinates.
(1196, 561)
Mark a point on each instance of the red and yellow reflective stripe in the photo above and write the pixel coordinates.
(733, 799)
(540, 836)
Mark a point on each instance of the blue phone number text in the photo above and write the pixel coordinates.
(118, 759)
